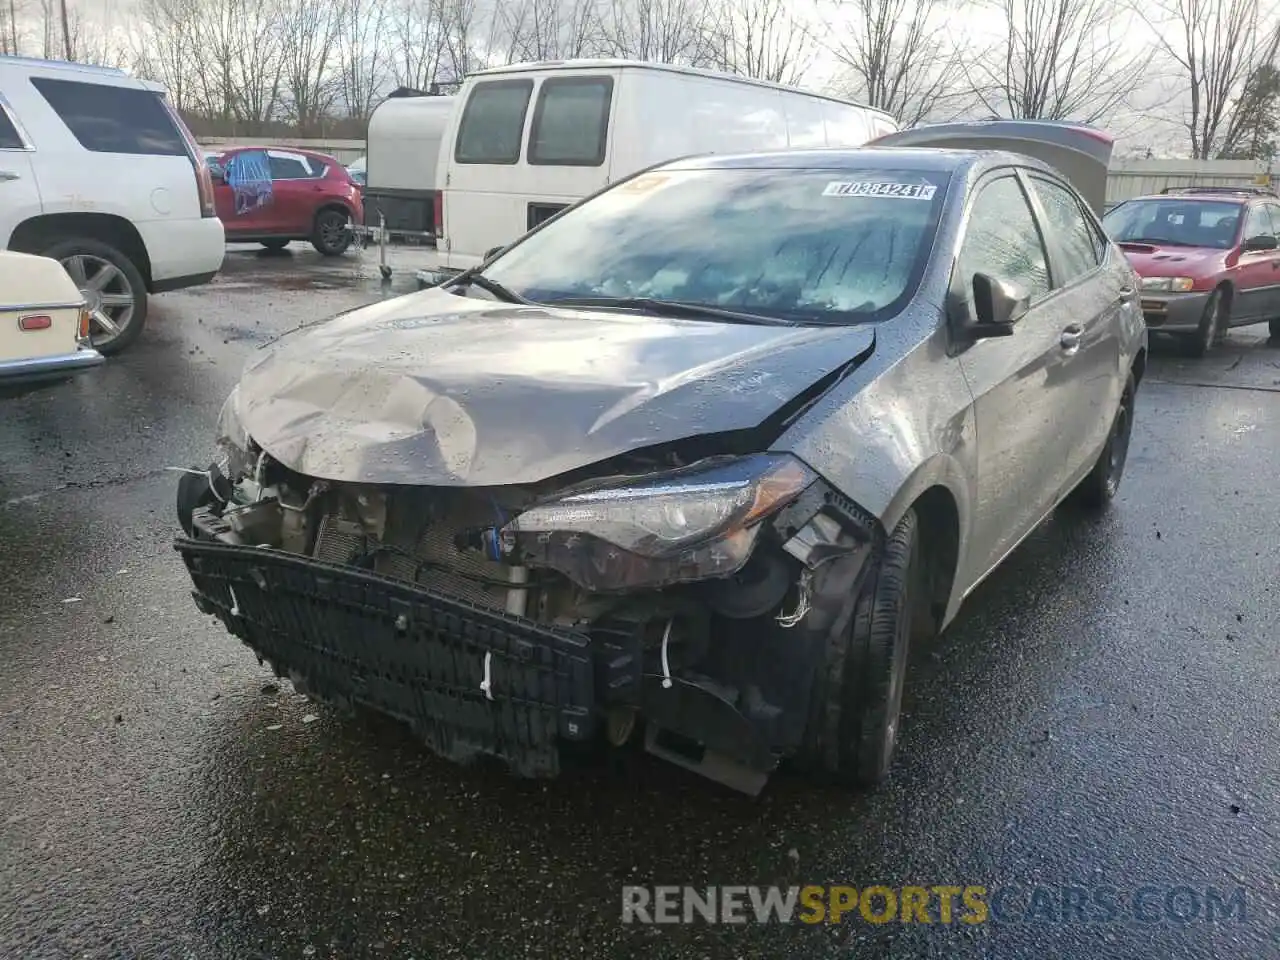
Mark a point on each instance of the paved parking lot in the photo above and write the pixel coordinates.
(1104, 714)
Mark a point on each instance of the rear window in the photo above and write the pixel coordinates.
(492, 126)
(107, 119)
(571, 121)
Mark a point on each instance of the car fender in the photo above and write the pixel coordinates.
(882, 452)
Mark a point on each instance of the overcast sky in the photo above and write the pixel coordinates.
(1153, 121)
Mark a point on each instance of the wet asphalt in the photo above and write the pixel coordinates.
(1103, 715)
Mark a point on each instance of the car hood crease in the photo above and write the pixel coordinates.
(436, 389)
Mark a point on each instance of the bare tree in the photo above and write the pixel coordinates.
(662, 31)
(1061, 60)
(526, 30)
(361, 59)
(762, 39)
(312, 31)
(1218, 47)
(9, 37)
(162, 48)
(898, 56)
(418, 36)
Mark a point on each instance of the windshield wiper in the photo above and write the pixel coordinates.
(489, 286)
(672, 308)
(1153, 242)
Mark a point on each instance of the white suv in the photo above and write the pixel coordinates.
(98, 171)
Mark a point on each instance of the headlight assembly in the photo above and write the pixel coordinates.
(1167, 284)
(233, 439)
(694, 523)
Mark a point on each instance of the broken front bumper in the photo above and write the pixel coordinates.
(472, 680)
(467, 679)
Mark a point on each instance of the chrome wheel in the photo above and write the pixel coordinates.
(107, 292)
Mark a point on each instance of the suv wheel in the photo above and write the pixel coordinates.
(1274, 329)
(330, 234)
(112, 286)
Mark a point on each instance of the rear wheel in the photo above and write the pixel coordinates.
(330, 234)
(275, 244)
(112, 287)
(1274, 328)
(855, 723)
(1102, 484)
(1213, 326)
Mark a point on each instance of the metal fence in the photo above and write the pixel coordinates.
(1128, 178)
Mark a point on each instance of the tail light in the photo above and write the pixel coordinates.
(204, 179)
(37, 321)
(439, 212)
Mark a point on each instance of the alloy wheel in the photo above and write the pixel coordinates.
(107, 294)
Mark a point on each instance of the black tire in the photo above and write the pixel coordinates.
(1213, 325)
(1099, 488)
(866, 677)
(88, 259)
(330, 235)
(1274, 329)
(275, 244)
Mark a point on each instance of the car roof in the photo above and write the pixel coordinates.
(1194, 196)
(282, 148)
(922, 159)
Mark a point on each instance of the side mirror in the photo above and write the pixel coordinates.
(218, 174)
(997, 306)
(492, 252)
(1261, 243)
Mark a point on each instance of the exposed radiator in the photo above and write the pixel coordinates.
(433, 558)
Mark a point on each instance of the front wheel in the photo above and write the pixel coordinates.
(1100, 487)
(113, 289)
(1213, 326)
(330, 235)
(856, 720)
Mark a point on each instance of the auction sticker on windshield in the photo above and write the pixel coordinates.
(878, 188)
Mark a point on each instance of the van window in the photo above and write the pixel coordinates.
(492, 126)
(571, 122)
(107, 119)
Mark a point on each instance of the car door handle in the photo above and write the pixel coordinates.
(1126, 294)
(1070, 338)
(6, 175)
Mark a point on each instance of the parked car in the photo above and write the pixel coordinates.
(44, 325)
(1209, 259)
(499, 176)
(705, 476)
(98, 171)
(273, 195)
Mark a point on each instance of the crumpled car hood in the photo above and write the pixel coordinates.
(436, 389)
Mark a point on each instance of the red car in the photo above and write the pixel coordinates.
(1208, 258)
(272, 195)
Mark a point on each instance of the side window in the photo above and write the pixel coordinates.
(10, 139)
(492, 125)
(288, 166)
(107, 119)
(1258, 223)
(1002, 240)
(571, 121)
(1075, 235)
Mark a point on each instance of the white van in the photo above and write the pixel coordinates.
(525, 141)
(403, 143)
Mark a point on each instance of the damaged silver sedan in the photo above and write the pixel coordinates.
(691, 464)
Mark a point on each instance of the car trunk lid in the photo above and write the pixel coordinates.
(1080, 153)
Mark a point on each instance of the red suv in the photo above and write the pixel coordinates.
(1208, 258)
(272, 195)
